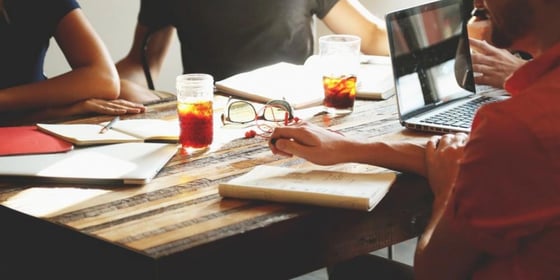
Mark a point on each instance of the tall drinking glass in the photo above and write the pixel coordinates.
(340, 60)
(195, 95)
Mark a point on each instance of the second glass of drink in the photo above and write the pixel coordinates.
(340, 60)
(195, 95)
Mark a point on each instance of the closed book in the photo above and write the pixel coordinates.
(123, 163)
(328, 188)
(23, 140)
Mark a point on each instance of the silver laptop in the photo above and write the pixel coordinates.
(432, 68)
(124, 163)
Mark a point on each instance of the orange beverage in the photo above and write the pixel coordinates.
(196, 120)
(340, 92)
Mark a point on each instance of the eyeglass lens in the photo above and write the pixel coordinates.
(241, 112)
(244, 112)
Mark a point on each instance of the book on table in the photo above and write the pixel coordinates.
(328, 188)
(122, 131)
(23, 140)
(123, 163)
(301, 85)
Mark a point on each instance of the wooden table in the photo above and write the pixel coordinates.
(178, 227)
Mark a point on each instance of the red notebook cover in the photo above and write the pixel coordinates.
(22, 140)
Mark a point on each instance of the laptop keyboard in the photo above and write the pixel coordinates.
(460, 116)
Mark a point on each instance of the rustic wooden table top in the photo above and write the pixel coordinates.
(177, 226)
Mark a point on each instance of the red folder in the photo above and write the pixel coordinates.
(22, 140)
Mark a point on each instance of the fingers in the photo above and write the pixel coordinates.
(443, 141)
(433, 142)
(114, 107)
(283, 146)
(130, 107)
(284, 140)
(482, 59)
(480, 46)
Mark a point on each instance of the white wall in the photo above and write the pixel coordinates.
(114, 21)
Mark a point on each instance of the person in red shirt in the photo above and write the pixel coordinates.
(496, 210)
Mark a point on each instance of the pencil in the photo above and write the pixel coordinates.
(109, 125)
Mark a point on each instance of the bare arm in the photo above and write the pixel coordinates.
(439, 163)
(133, 81)
(351, 17)
(325, 147)
(93, 74)
(80, 108)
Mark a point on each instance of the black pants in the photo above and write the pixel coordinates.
(370, 267)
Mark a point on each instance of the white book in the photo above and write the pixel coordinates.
(301, 85)
(123, 163)
(358, 191)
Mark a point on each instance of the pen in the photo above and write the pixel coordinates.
(109, 125)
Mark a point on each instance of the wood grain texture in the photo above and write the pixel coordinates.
(178, 227)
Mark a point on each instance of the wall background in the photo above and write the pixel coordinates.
(115, 21)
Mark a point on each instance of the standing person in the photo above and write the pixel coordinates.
(227, 37)
(92, 86)
(496, 211)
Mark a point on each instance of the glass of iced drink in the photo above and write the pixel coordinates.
(340, 60)
(195, 95)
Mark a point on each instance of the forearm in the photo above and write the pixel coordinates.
(351, 17)
(79, 84)
(400, 156)
(151, 46)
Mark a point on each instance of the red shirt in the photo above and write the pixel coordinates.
(507, 199)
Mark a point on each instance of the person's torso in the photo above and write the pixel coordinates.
(225, 37)
(515, 193)
(25, 32)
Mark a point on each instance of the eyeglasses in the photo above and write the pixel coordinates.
(243, 112)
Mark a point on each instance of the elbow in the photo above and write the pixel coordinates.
(111, 88)
(377, 43)
(108, 85)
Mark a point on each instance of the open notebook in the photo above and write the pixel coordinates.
(131, 130)
(124, 163)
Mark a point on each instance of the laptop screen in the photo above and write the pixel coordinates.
(430, 55)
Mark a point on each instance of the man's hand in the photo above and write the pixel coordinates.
(443, 154)
(492, 65)
(311, 142)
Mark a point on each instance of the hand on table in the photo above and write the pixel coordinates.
(308, 141)
(105, 107)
